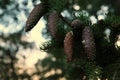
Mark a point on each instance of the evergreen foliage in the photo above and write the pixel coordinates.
(107, 55)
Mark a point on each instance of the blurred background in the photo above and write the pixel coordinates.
(20, 56)
(19, 51)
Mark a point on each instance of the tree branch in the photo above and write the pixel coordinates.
(64, 20)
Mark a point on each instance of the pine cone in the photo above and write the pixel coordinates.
(52, 23)
(88, 42)
(35, 15)
(76, 24)
(77, 27)
(68, 46)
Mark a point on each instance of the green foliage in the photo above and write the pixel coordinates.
(106, 52)
(57, 5)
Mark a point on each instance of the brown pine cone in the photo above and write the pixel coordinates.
(68, 46)
(76, 24)
(88, 43)
(52, 23)
(35, 15)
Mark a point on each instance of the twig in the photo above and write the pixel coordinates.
(114, 75)
(64, 20)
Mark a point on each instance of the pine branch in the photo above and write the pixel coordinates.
(65, 20)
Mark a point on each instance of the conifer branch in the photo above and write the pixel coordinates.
(65, 20)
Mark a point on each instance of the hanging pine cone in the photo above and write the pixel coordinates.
(88, 42)
(68, 46)
(76, 24)
(52, 23)
(35, 15)
(77, 27)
